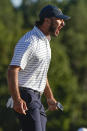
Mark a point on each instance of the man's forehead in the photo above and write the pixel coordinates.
(59, 19)
(55, 18)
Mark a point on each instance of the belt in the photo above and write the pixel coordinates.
(35, 91)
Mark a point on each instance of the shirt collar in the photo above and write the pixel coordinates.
(41, 34)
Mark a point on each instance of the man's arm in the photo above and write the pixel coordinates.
(50, 98)
(19, 104)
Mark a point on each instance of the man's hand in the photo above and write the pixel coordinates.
(20, 106)
(52, 104)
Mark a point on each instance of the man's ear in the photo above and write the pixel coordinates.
(47, 21)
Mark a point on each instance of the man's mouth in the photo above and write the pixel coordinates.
(57, 31)
(60, 27)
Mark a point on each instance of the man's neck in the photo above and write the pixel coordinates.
(45, 32)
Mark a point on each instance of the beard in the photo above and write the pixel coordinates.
(53, 29)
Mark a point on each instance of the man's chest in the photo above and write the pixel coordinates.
(43, 51)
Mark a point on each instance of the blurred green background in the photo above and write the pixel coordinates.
(68, 69)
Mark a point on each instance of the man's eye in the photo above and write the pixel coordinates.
(63, 24)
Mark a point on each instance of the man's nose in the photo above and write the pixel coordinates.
(63, 23)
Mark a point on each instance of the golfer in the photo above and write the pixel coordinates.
(27, 72)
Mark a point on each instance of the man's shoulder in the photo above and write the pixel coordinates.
(29, 40)
(29, 37)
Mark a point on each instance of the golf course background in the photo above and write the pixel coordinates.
(68, 69)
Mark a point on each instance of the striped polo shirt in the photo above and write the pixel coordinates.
(33, 54)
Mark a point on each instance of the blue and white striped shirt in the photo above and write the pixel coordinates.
(33, 54)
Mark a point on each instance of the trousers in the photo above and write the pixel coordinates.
(35, 118)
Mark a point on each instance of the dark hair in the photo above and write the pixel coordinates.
(39, 22)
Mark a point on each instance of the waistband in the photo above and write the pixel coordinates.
(34, 91)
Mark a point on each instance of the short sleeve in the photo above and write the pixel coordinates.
(23, 52)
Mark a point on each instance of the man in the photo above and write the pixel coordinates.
(27, 73)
